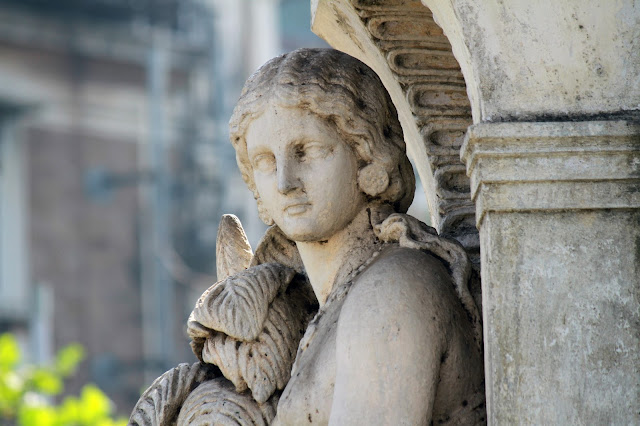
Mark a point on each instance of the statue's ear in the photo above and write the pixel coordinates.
(373, 179)
(233, 251)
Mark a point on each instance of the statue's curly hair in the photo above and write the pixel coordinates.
(341, 90)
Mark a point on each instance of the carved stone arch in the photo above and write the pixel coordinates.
(401, 42)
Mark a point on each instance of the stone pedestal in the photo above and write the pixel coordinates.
(558, 208)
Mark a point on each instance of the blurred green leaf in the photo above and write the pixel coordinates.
(9, 352)
(68, 359)
(94, 405)
(36, 415)
(69, 411)
(25, 391)
(11, 391)
(46, 381)
(109, 422)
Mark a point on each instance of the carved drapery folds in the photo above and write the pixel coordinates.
(401, 42)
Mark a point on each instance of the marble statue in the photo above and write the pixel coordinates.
(349, 311)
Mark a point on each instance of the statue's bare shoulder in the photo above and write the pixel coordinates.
(394, 328)
(400, 268)
(405, 284)
(405, 352)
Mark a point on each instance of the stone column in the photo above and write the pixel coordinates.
(558, 208)
(554, 162)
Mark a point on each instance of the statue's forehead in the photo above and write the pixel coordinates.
(287, 125)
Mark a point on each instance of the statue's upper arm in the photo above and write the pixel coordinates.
(390, 338)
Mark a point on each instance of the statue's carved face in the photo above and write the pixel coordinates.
(305, 175)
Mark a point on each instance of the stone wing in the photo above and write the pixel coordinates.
(238, 305)
(263, 365)
(160, 403)
(233, 251)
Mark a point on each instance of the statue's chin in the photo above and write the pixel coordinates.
(320, 225)
(305, 237)
(306, 231)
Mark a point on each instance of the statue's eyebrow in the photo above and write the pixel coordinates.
(304, 140)
(259, 148)
(300, 141)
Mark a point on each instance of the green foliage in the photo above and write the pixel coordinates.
(68, 358)
(26, 391)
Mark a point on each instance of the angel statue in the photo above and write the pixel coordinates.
(349, 311)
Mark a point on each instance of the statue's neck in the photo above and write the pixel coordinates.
(330, 262)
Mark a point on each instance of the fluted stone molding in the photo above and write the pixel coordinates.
(526, 167)
(558, 206)
(400, 41)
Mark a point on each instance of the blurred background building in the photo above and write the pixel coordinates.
(115, 168)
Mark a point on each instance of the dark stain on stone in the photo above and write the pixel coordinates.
(632, 116)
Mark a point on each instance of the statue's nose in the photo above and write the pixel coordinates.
(288, 179)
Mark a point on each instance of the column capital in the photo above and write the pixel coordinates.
(553, 166)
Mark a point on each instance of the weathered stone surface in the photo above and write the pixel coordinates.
(216, 402)
(560, 166)
(248, 326)
(161, 402)
(562, 317)
(558, 208)
(533, 61)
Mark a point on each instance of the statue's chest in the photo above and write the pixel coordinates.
(308, 396)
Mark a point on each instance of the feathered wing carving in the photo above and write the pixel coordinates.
(159, 405)
(249, 325)
(238, 305)
(233, 251)
(217, 402)
(250, 322)
(264, 364)
(274, 247)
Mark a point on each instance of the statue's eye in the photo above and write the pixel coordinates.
(313, 150)
(265, 163)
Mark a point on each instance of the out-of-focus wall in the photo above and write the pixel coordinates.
(79, 181)
(75, 107)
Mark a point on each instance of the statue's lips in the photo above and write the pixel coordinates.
(297, 208)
